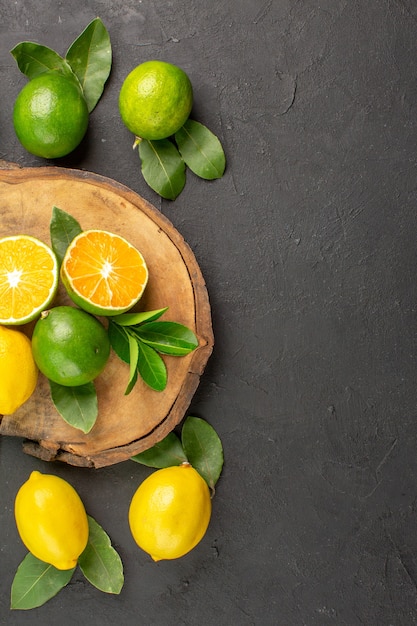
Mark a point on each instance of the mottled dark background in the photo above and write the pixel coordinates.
(308, 248)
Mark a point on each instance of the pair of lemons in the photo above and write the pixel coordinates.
(168, 516)
(50, 115)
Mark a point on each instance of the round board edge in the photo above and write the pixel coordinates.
(51, 451)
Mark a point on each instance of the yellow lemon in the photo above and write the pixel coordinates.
(18, 371)
(51, 520)
(170, 512)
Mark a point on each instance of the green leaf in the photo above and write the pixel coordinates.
(63, 228)
(100, 563)
(133, 319)
(133, 361)
(201, 150)
(203, 448)
(166, 453)
(162, 167)
(151, 367)
(76, 405)
(36, 582)
(168, 337)
(90, 57)
(132, 382)
(33, 59)
(119, 341)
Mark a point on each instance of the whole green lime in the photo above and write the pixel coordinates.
(155, 100)
(70, 347)
(50, 116)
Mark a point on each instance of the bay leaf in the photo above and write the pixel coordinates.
(34, 59)
(63, 228)
(151, 367)
(78, 406)
(162, 167)
(132, 381)
(168, 337)
(36, 582)
(133, 363)
(166, 453)
(90, 57)
(133, 319)
(119, 341)
(201, 150)
(203, 449)
(100, 563)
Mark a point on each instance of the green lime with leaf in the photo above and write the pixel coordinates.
(51, 113)
(155, 103)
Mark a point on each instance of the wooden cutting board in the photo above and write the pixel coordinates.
(126, 425)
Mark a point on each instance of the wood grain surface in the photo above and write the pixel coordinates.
(128, 424)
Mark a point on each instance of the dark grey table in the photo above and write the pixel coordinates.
(308, 248)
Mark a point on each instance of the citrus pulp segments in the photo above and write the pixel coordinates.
(28, 278)
(103, 273)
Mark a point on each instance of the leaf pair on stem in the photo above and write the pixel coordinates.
(36, 582)
(199, 445)
(164, 161)
(87, 61)
(138, 339)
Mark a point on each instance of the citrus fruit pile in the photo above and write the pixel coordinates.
(51, 113)
(104, 275)
(168, 516)
(170, 511)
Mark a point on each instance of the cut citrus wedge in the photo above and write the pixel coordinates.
(103, 273)
(28, 278)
